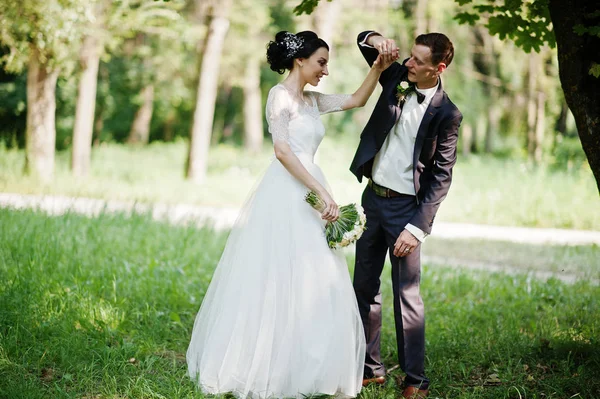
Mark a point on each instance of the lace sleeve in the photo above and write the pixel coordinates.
(278, 114)
(329, 102)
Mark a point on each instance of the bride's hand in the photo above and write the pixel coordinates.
(331, 212)
(383, 61)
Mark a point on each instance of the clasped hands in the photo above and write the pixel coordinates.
(388, 51)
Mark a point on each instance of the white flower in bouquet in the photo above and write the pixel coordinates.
(349, 226)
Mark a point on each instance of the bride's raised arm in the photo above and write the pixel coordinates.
(341, 102)
(362, 94)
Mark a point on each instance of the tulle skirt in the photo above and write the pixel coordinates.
(279, 319)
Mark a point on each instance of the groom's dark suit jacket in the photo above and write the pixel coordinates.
(434, 154)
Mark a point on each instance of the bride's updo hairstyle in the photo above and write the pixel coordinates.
(288, 46)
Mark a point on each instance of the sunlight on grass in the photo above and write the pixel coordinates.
(104, 307)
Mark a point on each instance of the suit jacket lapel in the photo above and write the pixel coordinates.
(432, 109)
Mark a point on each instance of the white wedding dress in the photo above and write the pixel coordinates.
(280, 319)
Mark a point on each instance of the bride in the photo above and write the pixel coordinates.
(280, 319)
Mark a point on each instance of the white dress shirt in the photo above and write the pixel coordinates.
(393, 164)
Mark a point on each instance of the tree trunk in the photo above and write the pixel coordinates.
(140, 129)
(169, 126)
(532, 103)
(253, 122)
(86, 103)
(100, 108)
(98, 127)
(206, 95)
(489, 57)
(223, 121)
(494, 115)
(576, 55)
(466, 136)
(540, 126)
(481, 127)
(40, 134)
(420, 17)
(561, 121)
(325, 21)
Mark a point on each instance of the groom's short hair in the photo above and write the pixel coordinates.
(441, 47)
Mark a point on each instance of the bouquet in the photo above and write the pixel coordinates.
(349, 226)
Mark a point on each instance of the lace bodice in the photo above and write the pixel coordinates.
(298, 123)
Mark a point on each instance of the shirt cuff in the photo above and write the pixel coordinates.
(417, 232)
(364, 42)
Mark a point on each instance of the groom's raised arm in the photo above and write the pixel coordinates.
(370, 53)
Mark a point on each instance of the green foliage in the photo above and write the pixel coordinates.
(104, 308)
(124, 19)
(527, 23)
(53, 27)
(306, 7)
(13, 111)
(591, 28)
(595, 70)
(254, 22)
(144, 47)
(567, 154)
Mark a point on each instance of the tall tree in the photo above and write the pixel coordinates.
(158, 69)
(420, 17)
(574, 27)
(86, 104)
(140, 128)
(40, 135)
(41, 37)
(253, 123)
(577, 29)
(250, 21)
(113, 22)
(210, 59)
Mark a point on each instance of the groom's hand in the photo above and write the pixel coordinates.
(405, 244)
(386, 47)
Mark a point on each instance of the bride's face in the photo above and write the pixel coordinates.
(315, 67)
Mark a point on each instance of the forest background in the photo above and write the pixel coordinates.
(132, 81)
(162, 102)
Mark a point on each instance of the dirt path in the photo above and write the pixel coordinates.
(222, 218)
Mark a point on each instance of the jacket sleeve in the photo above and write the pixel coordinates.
(443, 162)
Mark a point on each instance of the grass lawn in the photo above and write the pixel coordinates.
(103, 308)
(484, 190)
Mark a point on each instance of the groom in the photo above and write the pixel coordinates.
(406, 151)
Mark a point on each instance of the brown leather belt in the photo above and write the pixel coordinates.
(383, 191)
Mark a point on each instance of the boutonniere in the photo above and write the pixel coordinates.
(403, 90)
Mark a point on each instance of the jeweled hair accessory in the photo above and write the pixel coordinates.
(293, 44)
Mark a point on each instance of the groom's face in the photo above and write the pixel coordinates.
(420, 69)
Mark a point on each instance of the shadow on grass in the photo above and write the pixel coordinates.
(103, 308)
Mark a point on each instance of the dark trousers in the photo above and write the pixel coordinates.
(386, 218)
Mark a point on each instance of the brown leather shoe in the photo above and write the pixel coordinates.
(374, 380)
(414, 393)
